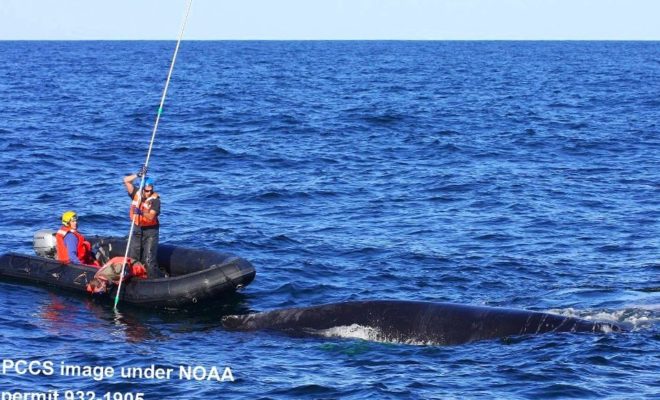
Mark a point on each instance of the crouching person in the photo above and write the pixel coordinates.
(110, 274)
(72, 248)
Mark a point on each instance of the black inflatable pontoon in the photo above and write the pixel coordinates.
(195, 275)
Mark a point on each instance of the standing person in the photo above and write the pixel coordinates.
(72, 248)
(145, 208)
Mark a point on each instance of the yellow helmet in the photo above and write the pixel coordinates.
(68, 216)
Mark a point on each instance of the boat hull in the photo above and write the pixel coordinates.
(197, 276)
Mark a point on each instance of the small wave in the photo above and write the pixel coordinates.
(299, 290)
(443, 199)
(15, 182)
(100, 218)
(288, 119)
(284, 238)
(447, 147)
(47, 197)
(612, 248)
(220, 150)
(181, 149)
(561, 105)
(277, 195)
(367, 250)
(383, 119)
(18, 146)
(218, 95)
(447, 132)
(578, 125)
(307, 390)
(425, 257)
(453, 188)
(494, 237)
(453, 279)
(562, 390)
(637, 318)
(650, 289)
(269, 196)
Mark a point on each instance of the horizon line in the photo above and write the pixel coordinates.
(332, 40)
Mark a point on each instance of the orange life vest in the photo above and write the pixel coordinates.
(145, 206)
(83, 251)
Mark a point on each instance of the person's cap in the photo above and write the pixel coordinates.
(69, 216)
(147, 182)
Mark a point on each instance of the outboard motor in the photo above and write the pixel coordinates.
(45, 244)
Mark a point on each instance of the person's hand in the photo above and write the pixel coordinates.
(142, 171)
(137, 211)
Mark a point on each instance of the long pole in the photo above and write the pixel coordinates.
(151, 144)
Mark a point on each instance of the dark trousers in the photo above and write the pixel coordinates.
(144, 247)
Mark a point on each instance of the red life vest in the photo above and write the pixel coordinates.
(145, 206)
(83, 251)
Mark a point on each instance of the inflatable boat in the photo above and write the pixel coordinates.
(195, 276)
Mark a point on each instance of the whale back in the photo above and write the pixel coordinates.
(411, 322)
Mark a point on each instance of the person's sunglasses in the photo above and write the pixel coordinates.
(148, 190)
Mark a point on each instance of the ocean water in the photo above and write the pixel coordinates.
(506, 174)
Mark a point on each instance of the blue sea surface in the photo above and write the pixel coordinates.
(508, 174)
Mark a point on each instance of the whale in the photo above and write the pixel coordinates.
(412, 322)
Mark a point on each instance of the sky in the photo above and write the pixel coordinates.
(331, 19)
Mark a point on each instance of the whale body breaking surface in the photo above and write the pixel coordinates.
(412, 322)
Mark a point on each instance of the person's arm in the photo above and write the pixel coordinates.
(128, 182)
(154, 211)
(150, 215)
(71, 242)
